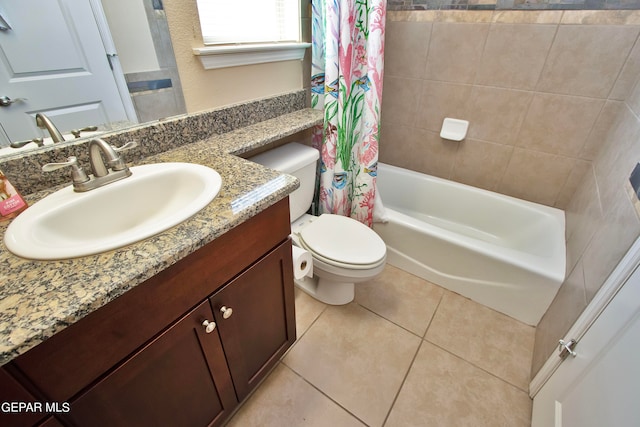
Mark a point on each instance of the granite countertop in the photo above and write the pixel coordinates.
(40, 298)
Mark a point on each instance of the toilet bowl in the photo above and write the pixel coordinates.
(344, 251)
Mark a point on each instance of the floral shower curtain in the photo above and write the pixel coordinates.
(346, 83)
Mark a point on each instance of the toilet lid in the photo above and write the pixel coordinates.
(343, 239)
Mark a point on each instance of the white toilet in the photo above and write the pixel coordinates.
(344, 250)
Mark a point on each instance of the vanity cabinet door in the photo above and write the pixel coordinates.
(256, 317)
(12, 392)
(178, 379)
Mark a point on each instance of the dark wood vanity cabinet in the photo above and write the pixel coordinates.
(186, 372)
(12, 393)
(180, 378)
(260, 328)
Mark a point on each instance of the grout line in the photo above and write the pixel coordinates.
(500, 180)
(626, 102)
(422, 80)
(593, 127)
(478, 65)
(476, 366)
(426, 58)
(534, 90)
(399, 325)
(284, 364)
(423, 340)
(385, 319)
(404, 380)
(433, 316)
(323, 393)
(622, 68)
(546, 58)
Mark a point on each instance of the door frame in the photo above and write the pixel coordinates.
(607, 292)
(114, 60)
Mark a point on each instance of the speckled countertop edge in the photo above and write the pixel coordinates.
(41, 298)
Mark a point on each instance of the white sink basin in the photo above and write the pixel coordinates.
(154, 198)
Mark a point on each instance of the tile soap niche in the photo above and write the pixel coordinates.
(454, 129)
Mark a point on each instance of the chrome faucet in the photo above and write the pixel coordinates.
(106, 164)
(44, 122)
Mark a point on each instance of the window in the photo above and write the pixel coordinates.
(243, 32)
(249, 21)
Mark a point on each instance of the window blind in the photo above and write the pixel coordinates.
(249, 21)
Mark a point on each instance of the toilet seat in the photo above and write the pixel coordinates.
(343, 242)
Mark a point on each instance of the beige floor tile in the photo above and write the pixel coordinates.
(284, 399)
(444, 390)
(488, 339)
(402, 298)
(356, 358)
(307, 311)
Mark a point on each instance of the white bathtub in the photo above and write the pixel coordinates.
(502, 252)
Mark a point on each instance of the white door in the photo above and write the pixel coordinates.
(600, 386)
(53, 57)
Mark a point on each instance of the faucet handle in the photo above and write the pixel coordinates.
(71, 161)
(19, 144)
(128, 146)
(76, 132)
(118, 164)
(77, 174)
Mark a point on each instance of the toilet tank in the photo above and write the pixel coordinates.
(297, 160)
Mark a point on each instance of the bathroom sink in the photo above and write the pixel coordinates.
(67, 224)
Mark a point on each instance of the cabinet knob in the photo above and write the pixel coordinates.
(226, 312)
(209, 326)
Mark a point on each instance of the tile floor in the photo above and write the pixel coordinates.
(404, 353)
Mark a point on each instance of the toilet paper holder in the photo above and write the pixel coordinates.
(302, 263)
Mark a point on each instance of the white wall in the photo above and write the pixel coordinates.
(131, 35)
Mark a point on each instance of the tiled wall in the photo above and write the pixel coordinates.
(553, 105)
(512, 4)
(602, 223)
(532, 84)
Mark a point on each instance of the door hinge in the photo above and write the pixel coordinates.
(110, 57)
(566, 348)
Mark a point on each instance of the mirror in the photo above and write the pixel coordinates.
(148, 85)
